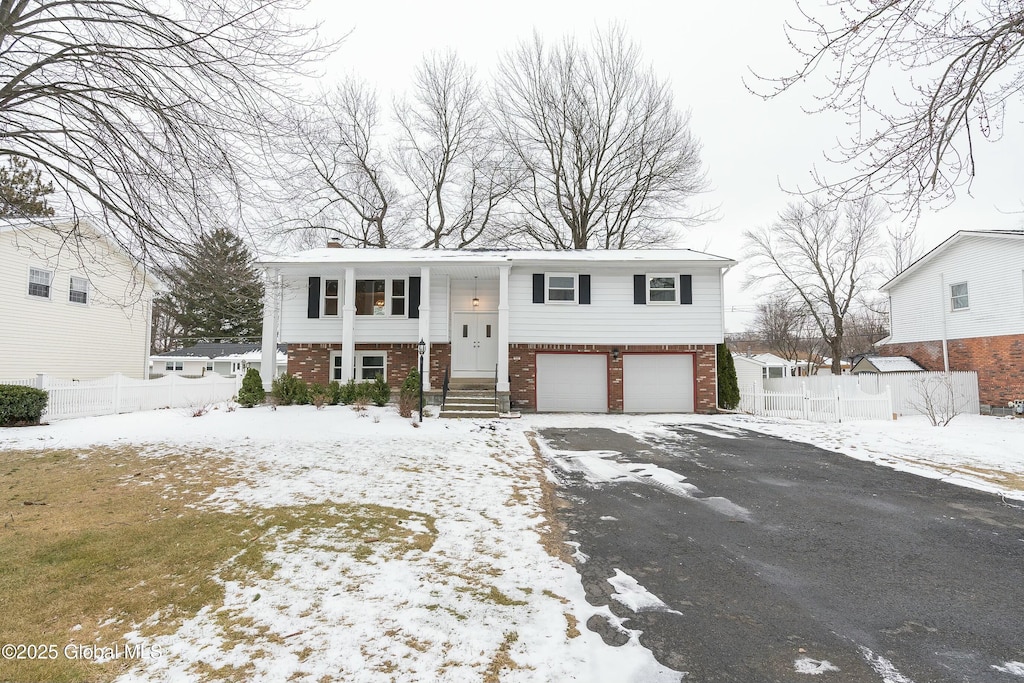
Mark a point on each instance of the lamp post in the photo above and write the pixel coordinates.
(422, 346)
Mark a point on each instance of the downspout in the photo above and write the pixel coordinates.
(945, 344)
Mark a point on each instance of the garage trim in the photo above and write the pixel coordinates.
(607, 364)
(693, 366)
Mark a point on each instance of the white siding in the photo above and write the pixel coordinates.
(297, 327)
(64, 339)
(748, 373)
(612, 317)
(991, 267)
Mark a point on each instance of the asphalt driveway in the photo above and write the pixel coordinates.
(778, 561)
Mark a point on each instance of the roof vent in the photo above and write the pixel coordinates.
(334, 242)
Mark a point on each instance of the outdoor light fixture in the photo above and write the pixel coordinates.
(615, 354)
(476, 299)
(422, 346)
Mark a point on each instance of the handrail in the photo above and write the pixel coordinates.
(444, 387)
(496, 407)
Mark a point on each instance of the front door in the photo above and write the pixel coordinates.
(474, 344)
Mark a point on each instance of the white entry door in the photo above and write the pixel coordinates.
(474, 344)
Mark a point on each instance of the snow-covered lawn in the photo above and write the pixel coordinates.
(478, 596)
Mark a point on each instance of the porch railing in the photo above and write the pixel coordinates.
(444, 386)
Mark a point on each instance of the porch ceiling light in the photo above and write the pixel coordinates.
(476, 299)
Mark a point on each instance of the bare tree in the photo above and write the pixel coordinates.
(866, 325)
(921, 81)
(336, 171)
(825, 254)
(448, 153)
(785, 325)
(141, 114)
(607, 160)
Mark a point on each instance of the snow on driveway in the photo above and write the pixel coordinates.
(483, 598)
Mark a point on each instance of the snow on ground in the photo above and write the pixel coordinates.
(484, 588)
(976, 451)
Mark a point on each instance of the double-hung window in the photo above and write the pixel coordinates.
(561, 288)
(79, 290)
(174, 365)
(330, 297)
(373, 297)
(368, 366)
(39, 282)
(662, 289)
(958, 299)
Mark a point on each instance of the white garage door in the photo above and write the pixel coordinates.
(657, 383)
(572, 382)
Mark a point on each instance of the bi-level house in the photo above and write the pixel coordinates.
(589, 331)
(961, 307)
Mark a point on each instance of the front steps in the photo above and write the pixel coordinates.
(470, 397)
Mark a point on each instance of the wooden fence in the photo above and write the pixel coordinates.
(120, 394)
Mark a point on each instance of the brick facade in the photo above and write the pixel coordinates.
(312, 362)
(522, 370)
(999, 362)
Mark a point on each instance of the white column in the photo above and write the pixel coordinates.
(268, 358)
(348, 326)
(424, 329)
(503, 383)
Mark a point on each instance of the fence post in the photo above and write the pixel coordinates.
(174, 382)
(40, 381)
(806, 403)
(839, 402)
(888, 402)
(117, 393)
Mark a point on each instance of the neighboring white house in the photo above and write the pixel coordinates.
(961, 307)
(753, 370)
(599, 331)
(222, 358)
(72, 304)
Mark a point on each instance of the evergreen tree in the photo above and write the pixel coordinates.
(216, 293)
(728, 384)
(22, 190)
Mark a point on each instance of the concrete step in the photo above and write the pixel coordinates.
(478, 414)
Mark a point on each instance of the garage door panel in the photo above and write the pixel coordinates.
(658, 383)
(572, 382)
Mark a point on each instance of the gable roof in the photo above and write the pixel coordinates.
(946, 244)
(491, 256)
(892, 363)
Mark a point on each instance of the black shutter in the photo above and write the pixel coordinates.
(686, 289)
(640, 289)
(538, 288)
(313, 306)
(584, 289)
(414, 297)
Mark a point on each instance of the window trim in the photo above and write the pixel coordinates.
(360, 355)
(87, 291)
(966, 296)
(389, 297)
(49, 284)
(174, 366)
(336, 298)
(675, 289)
(575, 288)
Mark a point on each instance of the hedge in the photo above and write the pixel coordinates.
(21, 405)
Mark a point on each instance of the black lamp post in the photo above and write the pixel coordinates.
(422, 347)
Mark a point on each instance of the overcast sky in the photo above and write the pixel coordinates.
(705, 50)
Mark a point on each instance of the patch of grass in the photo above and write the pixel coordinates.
(498, 598)
(114, 540)
(571, 626)
(502, 660)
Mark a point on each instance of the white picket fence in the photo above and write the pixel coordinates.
(833, 406)
(120, 394)
(905, 387)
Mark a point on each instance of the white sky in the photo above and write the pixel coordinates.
(705, 49)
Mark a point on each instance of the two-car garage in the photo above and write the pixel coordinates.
(580, 382)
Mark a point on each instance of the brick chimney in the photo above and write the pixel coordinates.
(334, 242)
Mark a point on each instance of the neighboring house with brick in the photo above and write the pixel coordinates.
(73, 304)
(593, 331)
(961, 307)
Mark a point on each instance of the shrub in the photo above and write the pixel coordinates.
(334, 392)
(319, 395)
(379, 391)
(289, 390)
(252, 392)
(21, 405)
(408, 398)
(728, 384)
(348, 392)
